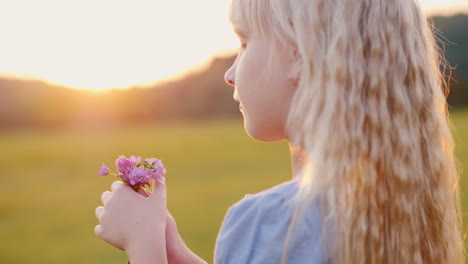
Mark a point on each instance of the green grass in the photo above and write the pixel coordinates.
(460, 133)
(49, 185)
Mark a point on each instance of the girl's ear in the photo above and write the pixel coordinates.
(296, 69)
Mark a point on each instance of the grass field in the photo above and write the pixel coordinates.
(49, 185)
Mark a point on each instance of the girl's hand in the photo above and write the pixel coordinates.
(134, 223)
(176, 250)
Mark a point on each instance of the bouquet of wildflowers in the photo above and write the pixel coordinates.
(135, 172)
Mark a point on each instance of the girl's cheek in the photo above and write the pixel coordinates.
(241, 68)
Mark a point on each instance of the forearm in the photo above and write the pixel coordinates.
(147, 258)
(149, 251)
(185, 256)
(178, 252)
(194, 259)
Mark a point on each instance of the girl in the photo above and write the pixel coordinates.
(355, 88)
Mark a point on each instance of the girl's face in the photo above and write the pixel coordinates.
(263, 91)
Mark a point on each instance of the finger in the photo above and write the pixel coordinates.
(105, 196)
(98, 231)
(169, 214)
(121, 189)
(161, 182)
(115, 185)
(143, 192)
(159, 188)
(99, 210)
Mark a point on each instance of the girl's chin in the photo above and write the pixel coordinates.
(261, 133)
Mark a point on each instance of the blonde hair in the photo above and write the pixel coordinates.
(371, 114)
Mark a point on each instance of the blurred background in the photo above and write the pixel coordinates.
(82, 82)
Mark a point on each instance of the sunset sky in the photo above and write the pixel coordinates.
(100, 44)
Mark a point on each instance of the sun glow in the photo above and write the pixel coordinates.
(106, 44)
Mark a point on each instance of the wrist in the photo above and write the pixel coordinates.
(179, 253)
(149, 248)
(187, 257)
(183, 256)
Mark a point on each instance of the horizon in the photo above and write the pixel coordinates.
(97, 55)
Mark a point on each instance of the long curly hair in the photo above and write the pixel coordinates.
(370, 113)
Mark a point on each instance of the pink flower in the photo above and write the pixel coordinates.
(124, 165)
(138, 176)
(136, 173)
(135, 160)
(156, 168)
(104, 170)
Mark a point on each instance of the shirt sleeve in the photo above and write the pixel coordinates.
(255, 229)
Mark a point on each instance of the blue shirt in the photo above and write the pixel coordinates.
(254, 230)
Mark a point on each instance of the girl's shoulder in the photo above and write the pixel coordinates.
(272, 205)
(277, 193)
(255, 228)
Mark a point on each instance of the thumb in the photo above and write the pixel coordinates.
(159, 187)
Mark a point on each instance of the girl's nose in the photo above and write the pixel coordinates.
(229, 77)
